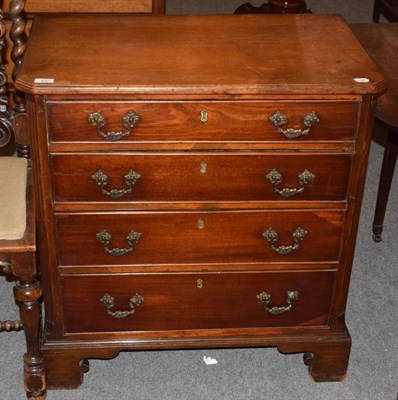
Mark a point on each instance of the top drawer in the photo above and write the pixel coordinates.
(201, 121)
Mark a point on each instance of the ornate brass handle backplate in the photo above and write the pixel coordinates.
(106, 238)
(276, 178)
(129, 121)
(102, 180)
(272, 237)
(278, 119)
(266, 299)
(109, 302)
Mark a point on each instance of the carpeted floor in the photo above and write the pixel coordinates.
(254, 374)
(353, 10)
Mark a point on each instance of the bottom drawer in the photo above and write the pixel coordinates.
(149, 302)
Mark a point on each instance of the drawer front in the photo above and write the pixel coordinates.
(199, 177)
(192, 121)
(199, 237)
(112, 303)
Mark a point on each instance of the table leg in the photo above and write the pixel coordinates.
(386, 175)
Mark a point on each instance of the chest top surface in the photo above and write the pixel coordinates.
(243, 54)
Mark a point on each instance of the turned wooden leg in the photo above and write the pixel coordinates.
(386, 175)
(28, 292)
(376, 11)
(8, 326)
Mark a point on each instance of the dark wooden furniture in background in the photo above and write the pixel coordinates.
(381, 42)
(18, 237)
(197, 193)
(387, 8)
(274, 7)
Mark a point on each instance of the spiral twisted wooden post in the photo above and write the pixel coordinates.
(19, 39)
(6, 129)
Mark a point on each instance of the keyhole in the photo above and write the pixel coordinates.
(199, 283)
(203, 168)
(204, 116)
(201, 223)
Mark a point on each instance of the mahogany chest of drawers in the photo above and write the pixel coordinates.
(200, 181)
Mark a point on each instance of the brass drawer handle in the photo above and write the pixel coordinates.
(106, 238)
(102, 180)
(109, 302)
(129, 121)
(266, 299)
(279, 119)
(272, 237)
(276, 178)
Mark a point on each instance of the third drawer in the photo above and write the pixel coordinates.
(172, 238)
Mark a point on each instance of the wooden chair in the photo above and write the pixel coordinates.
(18, 257)
(381, 43)
(387, 8)
(18, 239)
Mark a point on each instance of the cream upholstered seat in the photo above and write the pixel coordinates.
(15, 238)
(13, 180)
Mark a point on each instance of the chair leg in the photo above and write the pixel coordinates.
(27, 292)
(386, 175)
(376, 11)
(8, 326)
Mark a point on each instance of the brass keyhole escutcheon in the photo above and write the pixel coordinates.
(199, 283)
(203, 168)
(204, 116)
(201, 223)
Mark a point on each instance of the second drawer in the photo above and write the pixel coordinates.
(154, 177)
(159, 238)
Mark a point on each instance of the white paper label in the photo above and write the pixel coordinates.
(361, 80)
(44, 80)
